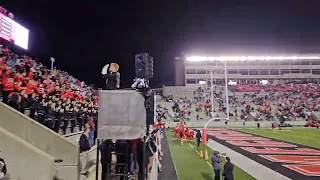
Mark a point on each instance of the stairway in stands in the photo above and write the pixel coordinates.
(63, 149)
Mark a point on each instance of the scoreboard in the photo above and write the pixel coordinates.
(13, 31)
(6, 28)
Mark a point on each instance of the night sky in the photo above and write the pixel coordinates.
(85, 35)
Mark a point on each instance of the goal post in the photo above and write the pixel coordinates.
(204, 130)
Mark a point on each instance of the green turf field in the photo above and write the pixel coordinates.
(190, 166)
(304, 136)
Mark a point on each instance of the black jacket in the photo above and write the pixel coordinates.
(198, 135)
(112, 80)
(228, 171)
(84, 143)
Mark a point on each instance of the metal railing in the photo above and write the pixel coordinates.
(156, 166)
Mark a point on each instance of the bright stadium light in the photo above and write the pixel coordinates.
(249, 58)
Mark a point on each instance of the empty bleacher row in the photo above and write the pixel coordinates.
(179, 91)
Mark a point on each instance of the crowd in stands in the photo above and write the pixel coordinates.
(277, 102)
(200, 104)
(273, 102)
(51, 97)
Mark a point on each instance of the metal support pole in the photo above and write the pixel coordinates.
(207, 73)
(52, 65)
(211, 74)
(226, 87)
(97, 160)
(145, 163)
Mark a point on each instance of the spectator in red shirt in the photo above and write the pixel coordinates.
(92, 129)
(30, 87)
(8, 87)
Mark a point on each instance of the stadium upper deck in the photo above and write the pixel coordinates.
(247, 69)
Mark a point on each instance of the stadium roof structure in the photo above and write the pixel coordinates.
(250, 58)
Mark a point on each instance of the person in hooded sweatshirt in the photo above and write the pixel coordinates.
(216, 164)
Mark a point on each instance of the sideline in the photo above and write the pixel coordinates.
(199, 154)
(174, 165)
(253, 168)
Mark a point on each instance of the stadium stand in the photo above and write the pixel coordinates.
(179, 91)
(52, 97)
(55, 101)
(43, 113)
(273, 102)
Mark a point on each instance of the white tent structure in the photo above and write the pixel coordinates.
(122, 115)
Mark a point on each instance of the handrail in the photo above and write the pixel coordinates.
(73, 134)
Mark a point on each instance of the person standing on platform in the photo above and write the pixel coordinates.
(216, 164)
(113, 77)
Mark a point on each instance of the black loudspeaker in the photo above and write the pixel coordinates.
(144, 65)
(150, 67)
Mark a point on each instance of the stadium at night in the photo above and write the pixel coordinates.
(229, 111)
(247, 69)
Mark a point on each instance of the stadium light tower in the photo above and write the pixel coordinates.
(52, 62)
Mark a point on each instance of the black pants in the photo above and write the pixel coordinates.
(217, 174)
(106, 161)
(32, 112)
(142, 168)
(41, 118)
(5, 95)
(198, 142)
(57, 124)
(65, 125)
(73, 124)
(80, 122)
(49, 123)
(22, 109)
(105, 171)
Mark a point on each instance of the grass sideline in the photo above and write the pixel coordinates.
(190, 166)
(305, 136)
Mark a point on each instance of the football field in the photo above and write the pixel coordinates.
(292, 152)
(305, 136)
(190, 166)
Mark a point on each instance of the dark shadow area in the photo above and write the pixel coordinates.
(168, 171)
